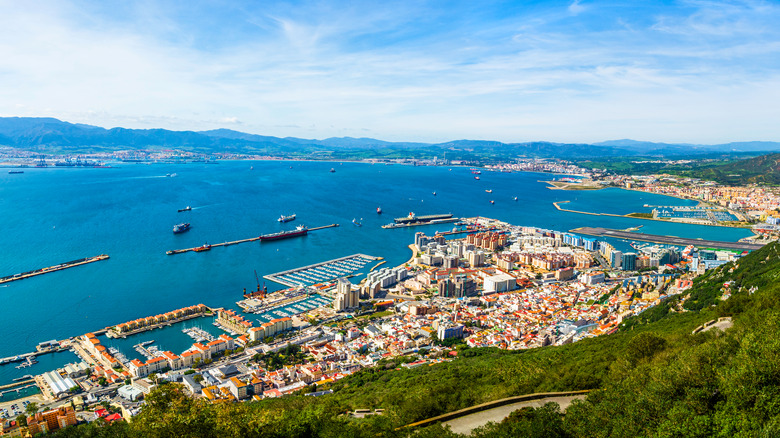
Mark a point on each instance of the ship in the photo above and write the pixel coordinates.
(332, 170)
(180, 228)
(379, 210)
(299, 231)
(202, 248)
(187, 208)
(284, 218)
(412, 219)
(476, 177)
(15, 171)
(489, 190)
(357, 224)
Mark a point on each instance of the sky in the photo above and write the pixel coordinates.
(701, 72)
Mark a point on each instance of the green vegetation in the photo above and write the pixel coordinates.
(652, 378)
(641, 215)
(732, 170)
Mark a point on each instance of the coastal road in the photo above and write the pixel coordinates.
(666, 240)
(467, 423)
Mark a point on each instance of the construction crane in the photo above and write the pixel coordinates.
(265, 290)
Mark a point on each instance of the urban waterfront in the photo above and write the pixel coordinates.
(55, 215)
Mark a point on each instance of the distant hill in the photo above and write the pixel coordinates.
(50, 135)
(764, 169)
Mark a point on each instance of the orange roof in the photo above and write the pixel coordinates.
(189, 353)
(154, 360)
(137, 362)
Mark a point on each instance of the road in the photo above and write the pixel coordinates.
(467, 423)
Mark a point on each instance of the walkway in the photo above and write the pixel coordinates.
(465, 424)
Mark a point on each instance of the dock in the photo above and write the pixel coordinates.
(322, 272)
(54, 268)
(665, 240)
(236, 242)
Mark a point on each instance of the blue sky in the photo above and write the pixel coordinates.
(567, 71)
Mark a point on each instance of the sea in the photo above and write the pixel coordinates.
(53, 215)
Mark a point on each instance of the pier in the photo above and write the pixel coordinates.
(322, 272)
(236, 242)
(665, 240)
(59, 267)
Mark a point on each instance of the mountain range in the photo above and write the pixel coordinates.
(53, 136)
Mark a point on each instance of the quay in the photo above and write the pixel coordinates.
(322, 272)
(665, 240)
(235, 242)
(59, 267)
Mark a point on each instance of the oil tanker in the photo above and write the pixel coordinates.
(299, 231)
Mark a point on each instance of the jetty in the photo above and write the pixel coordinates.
(235, 242)
(54, 268)
(322, 272)
(666, 240)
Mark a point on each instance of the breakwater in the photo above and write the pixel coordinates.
(61, 266)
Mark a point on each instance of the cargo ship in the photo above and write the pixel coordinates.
(180, 228)
(284, 218)
(412, 219)
(299, 231)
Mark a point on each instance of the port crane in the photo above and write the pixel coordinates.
(259, 293)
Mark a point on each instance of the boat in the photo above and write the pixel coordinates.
(15, 171)
(180, 228)
(476, 177)
(202, 248)
(434, 193)
(515, 198)
(332, 170)
(357, 224)
(284, 218)
(187, 208)
(492, 202)
(299, 231)
(489, 190)
(379, 210)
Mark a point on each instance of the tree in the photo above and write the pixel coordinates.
(102, 381)
(31, 408)
(198, 378)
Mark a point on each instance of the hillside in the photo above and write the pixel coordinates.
(52, 136)
(652, 378)
(764, 169)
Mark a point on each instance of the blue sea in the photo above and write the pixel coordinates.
(54, 215)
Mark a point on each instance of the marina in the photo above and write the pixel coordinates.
(59, 267)
(235, 242)
(322, 272)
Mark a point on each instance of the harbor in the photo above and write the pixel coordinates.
(265, 237)
(322, 272)
(666, 240)
(54, 268)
